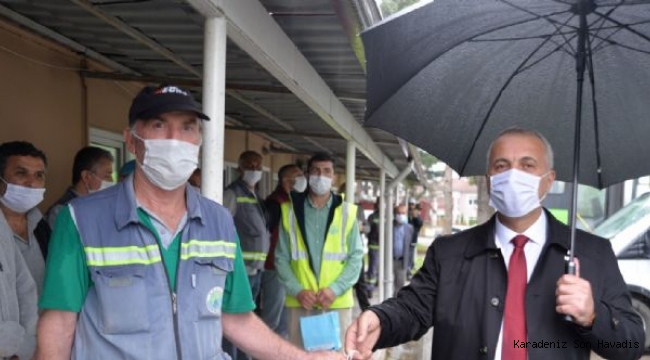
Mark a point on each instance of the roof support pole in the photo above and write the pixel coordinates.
(382, 232)
(254, 31)
(214, 105)
(350, 175)
(388, 249)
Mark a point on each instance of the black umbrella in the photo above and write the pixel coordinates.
(450, 75)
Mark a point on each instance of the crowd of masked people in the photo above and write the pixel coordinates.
(25, 235)
(147, 268)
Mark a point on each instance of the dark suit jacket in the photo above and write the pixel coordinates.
(460, 291)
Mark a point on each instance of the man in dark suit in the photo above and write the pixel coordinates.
(498, 290)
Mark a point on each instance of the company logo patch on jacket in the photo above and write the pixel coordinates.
(213, 300)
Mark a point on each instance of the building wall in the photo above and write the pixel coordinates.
(50, 105)
(42, 101)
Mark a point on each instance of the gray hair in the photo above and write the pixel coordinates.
(523, 132)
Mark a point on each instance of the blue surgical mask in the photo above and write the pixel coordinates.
(402, 218)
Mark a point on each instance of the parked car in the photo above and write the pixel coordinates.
(628, 229)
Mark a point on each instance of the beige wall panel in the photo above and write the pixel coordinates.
(108, 104)
(41, 102)
(235, 144)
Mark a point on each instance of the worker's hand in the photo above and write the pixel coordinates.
(326, 297)
(307, 299)
(362, 335)
(325, 355)
(573, 297)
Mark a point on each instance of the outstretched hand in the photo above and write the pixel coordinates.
(362, 335)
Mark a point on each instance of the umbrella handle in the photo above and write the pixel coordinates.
(570, 268)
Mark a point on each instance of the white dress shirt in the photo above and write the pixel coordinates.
(536, 234)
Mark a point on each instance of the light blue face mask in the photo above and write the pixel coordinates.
(401, 218)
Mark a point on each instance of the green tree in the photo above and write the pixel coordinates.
(389, 7)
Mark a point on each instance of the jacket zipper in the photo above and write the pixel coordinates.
(174, 302)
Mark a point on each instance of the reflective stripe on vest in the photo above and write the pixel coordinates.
(334, 254)
(250, 221)
(125, 255)
(209, 249)
(246, 255)
(246, 200)
(297, 254)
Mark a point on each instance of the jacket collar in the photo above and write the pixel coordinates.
(127, 205)
(557, 234)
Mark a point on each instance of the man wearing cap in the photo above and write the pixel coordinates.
(149, 269)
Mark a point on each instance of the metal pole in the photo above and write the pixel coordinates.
(388, 250)
(214, 105)
(350, 167)
(580, 71)
(382, 232)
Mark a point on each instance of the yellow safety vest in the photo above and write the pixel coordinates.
(335, 253)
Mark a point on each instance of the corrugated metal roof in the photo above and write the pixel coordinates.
(315, 27)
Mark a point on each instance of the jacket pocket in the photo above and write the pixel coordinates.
(122, 294)
(208, 281)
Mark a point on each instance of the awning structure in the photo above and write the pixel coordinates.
(294, 68)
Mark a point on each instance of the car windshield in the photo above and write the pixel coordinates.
(623, 218)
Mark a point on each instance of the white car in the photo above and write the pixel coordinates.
(629, 232)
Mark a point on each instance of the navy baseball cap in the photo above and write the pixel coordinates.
(153, 101)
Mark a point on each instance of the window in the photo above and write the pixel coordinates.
(114, 144)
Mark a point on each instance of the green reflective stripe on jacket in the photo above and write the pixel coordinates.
(373, 247)
(246, 200)
(198, 248)
(253, 255)
(125, 255)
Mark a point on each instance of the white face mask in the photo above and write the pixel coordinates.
(301, 184)
(252, 177)
(104, 185)
(320, 185)
(515, 193)
(402, 218)
(168, 163)
(21, 199)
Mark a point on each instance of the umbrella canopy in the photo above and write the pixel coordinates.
(452, 74)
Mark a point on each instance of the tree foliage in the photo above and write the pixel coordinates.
(389, 7)
(428, 160)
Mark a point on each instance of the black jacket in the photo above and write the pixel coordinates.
(461, 287)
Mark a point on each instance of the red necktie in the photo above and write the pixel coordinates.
(514, 316)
